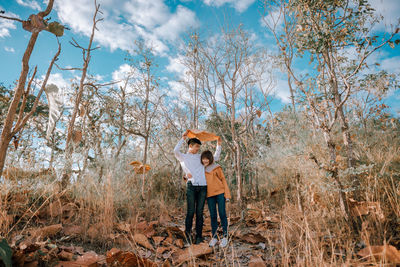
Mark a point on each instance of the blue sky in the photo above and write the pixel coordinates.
(162, 23)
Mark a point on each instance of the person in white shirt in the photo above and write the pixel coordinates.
(196, 189)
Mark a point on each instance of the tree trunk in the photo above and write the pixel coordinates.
(332, 153)
(68, 148)
(6, 134)
(238, 171)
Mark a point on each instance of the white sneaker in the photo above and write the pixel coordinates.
(213, 242)
(224, 242)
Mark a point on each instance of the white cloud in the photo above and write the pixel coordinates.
(239, 5)
(7, 25)
(122, 72)
(148, 14)
(282, 91)
(177, 90)
(175, 66)
(31, 4)
(128, 20)
(57, 79)
(390, 10)
(273, 19)
(9, 49)
(174, 26)
(391, 64)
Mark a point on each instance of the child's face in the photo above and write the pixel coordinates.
(194, 148)
(205, 161)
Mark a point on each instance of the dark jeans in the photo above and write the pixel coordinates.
(212, 207)
(196, 197)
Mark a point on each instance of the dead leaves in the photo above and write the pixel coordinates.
(360, 208)
(250, 237)
(191, 252)
(386, 253)
(256, 261)
(116, 257)
(142, 240)
(203, 136)
(139, 168)
(89, 259)
(47, 232)
(27, 253)
(76, 136)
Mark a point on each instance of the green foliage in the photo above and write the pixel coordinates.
(5, 253)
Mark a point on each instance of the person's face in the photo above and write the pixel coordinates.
(194, 148)
(205, 161)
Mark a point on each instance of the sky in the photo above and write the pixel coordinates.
(161, 23)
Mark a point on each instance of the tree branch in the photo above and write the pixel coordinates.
(18, 127)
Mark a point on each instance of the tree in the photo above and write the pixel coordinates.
(324, 31)
(86, 55)
(229, 84)
(192, 78)
(35, 24)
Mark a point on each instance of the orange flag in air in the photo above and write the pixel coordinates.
(203, 136)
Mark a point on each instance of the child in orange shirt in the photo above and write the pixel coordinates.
(217, 193)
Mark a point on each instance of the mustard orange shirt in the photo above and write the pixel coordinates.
(216, 182)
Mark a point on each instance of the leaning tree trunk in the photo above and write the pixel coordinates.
(8, 131)
(6, 134)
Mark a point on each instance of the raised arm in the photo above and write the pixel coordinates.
(177, 150)
(217, 153)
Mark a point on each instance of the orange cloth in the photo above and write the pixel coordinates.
(216, 183)
(203, 136)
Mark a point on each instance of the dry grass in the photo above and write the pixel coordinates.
(312, 230)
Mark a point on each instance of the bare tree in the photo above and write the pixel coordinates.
(227, 76)
(86, 56)
(191, 80)
(35, 24)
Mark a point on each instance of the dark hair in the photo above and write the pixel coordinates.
(208, 155)
(193, 141)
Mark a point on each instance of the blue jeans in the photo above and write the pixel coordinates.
(196, 198)
(212, 207)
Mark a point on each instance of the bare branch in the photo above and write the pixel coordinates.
(10, 18)
(60, 68)
(25, 97)
(18, 127)
(48, 9)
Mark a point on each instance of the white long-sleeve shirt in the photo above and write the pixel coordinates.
(191, 163)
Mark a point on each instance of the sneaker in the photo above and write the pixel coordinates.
(188, 240)
(213, 242)
(199, 240)
(224, 242)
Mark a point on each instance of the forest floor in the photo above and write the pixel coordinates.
(54, 234)
(143, 243)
